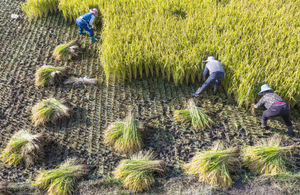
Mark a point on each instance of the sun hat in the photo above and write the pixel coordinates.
(94, 11)
(210, 58)
(265, 88)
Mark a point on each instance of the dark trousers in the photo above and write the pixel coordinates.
(215, 78)
(84, 26)
(282, 110)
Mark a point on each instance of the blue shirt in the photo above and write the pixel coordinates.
(88, 18)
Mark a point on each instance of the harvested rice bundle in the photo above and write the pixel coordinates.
(193, 114)
(49, 110)
(269, 157)
(81, 80)
(62, 180)
(124, 136)
(214, 167)
(67, 51)
(137, 173)
(50, 75)
(23, 146)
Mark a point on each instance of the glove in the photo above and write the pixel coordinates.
(93, 39)
(194, 95)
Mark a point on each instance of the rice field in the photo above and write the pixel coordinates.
(29, 45)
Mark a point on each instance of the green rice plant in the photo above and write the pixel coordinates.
(269, 158)
(62, 180)
(137, 173)
(195, 115)
(50, 75)
(214, 167)
(39, 8)
(49, 110)
(23, 147)
(124, 136)
(67, 51)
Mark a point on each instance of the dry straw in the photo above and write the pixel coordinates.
(137, 172)
(23, 147)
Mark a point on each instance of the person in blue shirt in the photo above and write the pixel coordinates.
(216, 73)
(85, 22)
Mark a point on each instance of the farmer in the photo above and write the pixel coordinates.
(275, 107)
(216, 73)
(85, 22)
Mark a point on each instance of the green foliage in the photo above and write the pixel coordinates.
(67, 51)
(50, 75)
(23, 146)
(39, 8)
(137, 173)
(214, 167)
(268, 158)
(49, 110)
(124, 135)
(193, 114)
(61, 180)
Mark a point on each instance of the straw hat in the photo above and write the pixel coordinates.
(265, 88)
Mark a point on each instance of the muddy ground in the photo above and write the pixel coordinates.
(25, 46)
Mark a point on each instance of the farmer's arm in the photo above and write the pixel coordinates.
(205, 72)
(260, 103)
(92, 20)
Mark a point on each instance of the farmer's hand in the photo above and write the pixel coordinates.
(254, 105)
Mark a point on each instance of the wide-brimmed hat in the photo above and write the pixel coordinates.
(210, 58)
(265, 88)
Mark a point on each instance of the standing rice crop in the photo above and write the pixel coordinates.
(137, 173)
(23, 147)
(214, 167)
(49, 110)
(124, 136)
(269, 158)
(193, 114)
(50, 75)
(67, 51)
(39, 8)
(62, 180)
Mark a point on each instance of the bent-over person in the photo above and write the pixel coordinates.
(275, 107)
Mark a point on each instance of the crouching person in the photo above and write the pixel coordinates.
(85, 22)
(275, 107)
(216, 74)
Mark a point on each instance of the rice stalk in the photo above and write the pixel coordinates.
(137, 172)
(67, 51)
(214, 167)
(23, 147)
(195, 115)
(39, 8)
(50, 75)
(63, 179)
(124, 136)
(49, 110)
(269, 158)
